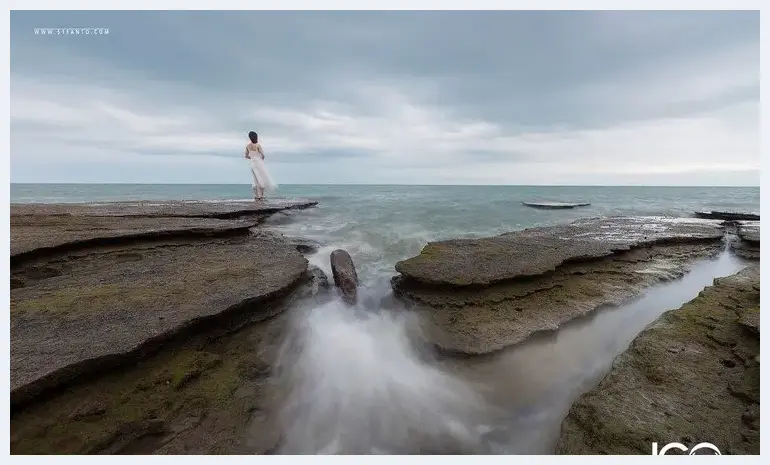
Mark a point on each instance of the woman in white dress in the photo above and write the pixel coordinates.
(260, 177)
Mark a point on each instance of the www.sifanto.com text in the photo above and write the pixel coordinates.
(71, 31)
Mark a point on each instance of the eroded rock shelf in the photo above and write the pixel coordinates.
(100, 286)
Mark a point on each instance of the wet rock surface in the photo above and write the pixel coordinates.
(554, 205)
(164, 209)
(209, 395)
(748, 233)
(162, 343)
(345, 276)
(537, 279)
(210, 389)
(99, 306)
(691, 377)
(37, 234)
(531, 252)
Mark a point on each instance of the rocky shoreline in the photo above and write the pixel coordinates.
(483, 295)
(97, 291)
(691, 377)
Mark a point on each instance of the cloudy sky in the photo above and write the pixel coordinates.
(656, 98)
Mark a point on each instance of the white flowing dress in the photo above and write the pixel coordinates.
(260, 177)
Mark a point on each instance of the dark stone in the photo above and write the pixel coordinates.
(712, 215)
(345, 276)
(554, 205)
(320, 281)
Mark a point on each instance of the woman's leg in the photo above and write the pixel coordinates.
(254, 185)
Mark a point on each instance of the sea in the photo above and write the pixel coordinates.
(379, 225)
(360, 385)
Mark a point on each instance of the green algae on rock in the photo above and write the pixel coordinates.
(482, 295)
(691, 377)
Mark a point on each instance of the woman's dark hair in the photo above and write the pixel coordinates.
(253, 137)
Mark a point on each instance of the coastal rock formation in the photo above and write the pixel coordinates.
(304, 246)
(185, 305)
(345, 276)
(748, 243)
(164, 209)
(33, 236)
(319, 281)
(206, 394)
(41, 229)
(691, 377)
(94, 307)
(481, 295)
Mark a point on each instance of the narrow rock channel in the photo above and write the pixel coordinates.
(536, 382)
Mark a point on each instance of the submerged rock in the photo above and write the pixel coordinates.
(345, 276)
(707, 390)
(554, 205)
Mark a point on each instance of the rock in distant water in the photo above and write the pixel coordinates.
(345, 276)
(554, 205)
(691, 377)
(728, 216)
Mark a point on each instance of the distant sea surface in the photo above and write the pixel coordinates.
(380, 225)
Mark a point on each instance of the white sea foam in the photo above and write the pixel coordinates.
(353, 382)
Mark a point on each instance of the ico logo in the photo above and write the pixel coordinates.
(705, 448)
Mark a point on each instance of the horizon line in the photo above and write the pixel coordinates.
(369, 184)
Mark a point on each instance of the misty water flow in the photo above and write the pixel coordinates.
(355, 380)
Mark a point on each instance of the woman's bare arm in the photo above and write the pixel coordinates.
(247, 152)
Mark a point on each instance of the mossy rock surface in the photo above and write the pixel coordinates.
(207, 396)
(691, 377)
(97, 306)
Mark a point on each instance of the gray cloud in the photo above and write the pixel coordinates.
(380, 96)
